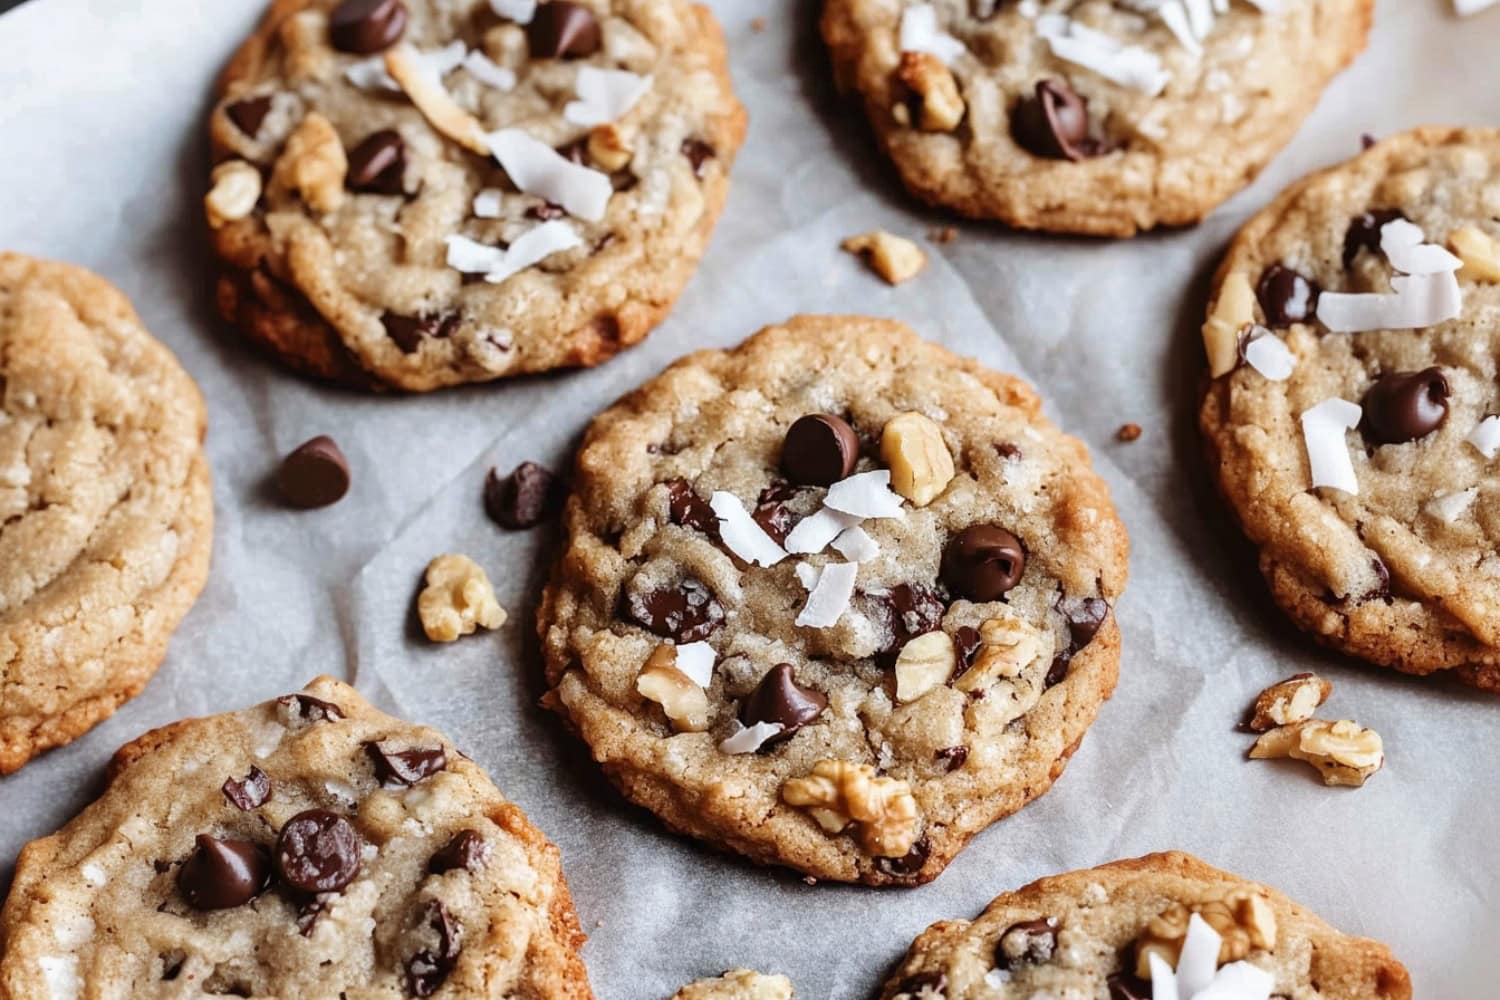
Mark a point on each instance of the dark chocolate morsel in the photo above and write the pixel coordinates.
(427, 969)
(248, 114)
(1125, 986)
(249, 792)
(1030, 942)
(315, 474)
(983, 562)
(771, 511)
(779, 698)
(1364, 232)
(466, 850)
(221, 874)
(910, 863)
(690, 510)
(405, 767)
(305, 706)
(819, 450)
(1085, 616)
(1286, 297)
(366, 26)
(698, 153)
(378, 164)
(687, 612)
(561, 29)
(1404, 406)
(1054, 123)
(409, 331)
(966, 643)
(523, 499)
(955, 757)
(318, 851)
(906, 611)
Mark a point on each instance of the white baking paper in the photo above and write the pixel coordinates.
(102, 162)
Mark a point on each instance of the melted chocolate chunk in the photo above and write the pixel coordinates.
(249, 114)
(429, 967)
(1364, 232)
(305, 706)
(222, 874)
(318, 851)
(690, 510)
(909, 864)
(685, 613)
(1054, 123)
(1286, 297)
(1085, 616)
(983, 562)
(779, 698)
(906, 611)
(249, 792)
(966, 643)
(698, 153)
(405, 767)
(771, 511)
(955, 757)
(467, 850)
(1030, 942)
(1405, 406)
(409, 331)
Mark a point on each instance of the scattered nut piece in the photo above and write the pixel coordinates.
(1243, 919)
(457, 600)
(921, 467)
(1128, 433)
(943, 234)
(1479, 252)
(314, 164)
(427, 92)
(942, 107)
(757, 24)
(894, 258)
(235, 193)
(304, 43)
(608, 148)
(1232, 311)
(1007, 646)
(838, 793)
(685, 703)
(1345, 752)
(1290, 701)
(924, 663)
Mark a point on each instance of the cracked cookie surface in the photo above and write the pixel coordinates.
(1401, 572)
(309, 846)
(338, 261)
(934, 687)
(1133, 157)
(106, 518)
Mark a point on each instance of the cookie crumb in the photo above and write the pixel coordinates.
(1128, 433)
(894, 258)
(757, 24)
(942, 234)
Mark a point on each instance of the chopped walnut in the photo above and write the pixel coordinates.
(1128, 433)
(912, 446)
(1479, 252)
(894, 258)
(685, 703)
(1007, 646)
(609, 149)
(941, 105)
(1344, 752)
(313, 164)
(457, 600)
(426, 90)
(234, 195)
(1292, 700)
(838, 793)
(1232, 311)
(1243, 919)
(304, 42)
(924, 663)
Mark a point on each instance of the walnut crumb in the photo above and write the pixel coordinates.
(757, 24)
(1128, 432)
(943, 234)
(894, 258)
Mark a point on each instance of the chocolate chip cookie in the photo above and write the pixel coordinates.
(1088, 116)
(1122, 929)
(419, 193)
(310, 847)
(836, 599)
(1351, 417)
(738, 984)
(106, 517)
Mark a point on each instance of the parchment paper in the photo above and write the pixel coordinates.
(102, 162)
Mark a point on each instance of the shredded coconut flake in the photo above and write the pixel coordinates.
(814, 532)
(370, 74)
(1128, 65)
(1269, 355)
(1323, 429)
(519, 11)
(807, 575)
(487, 204)
(1485, 437)
(1406, 248)
(696, 660)
(1199, 958)
(830, 596)
(1198, 977)
(496, 264)
(920, 33)
(865, 495)
(604, 95)
(748, 739)
(856, 545)
(741, 535)
(1418, 300)
(1452, 506)
(482, 68)
(538, 169)
(1163, 980)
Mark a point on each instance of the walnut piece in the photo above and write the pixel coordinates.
(426, 90)
(685, 703)
(313, 164)
(894, 258)
(942, 107)
(838, 793)
(304, 42)
(1479, 252)
(1232, 311)
(1292, 700)
(1007, 646)
(457, 600)
(609, 149)
(912, 446)
(924, 663)
(234, 195)
(1243, 920)
(1344, 752)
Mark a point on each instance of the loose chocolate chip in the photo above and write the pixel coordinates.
(365, 26)
(954, 757)
(1404, 406)
(1285, 296)
(698, 153)
(1054, 123)
(1125, 986)
(318, 851)
(910, 863)
(561, 29)
(405, 767)
(1030, 942)
(409, 331)
(305, 706)
(779, 698)
(428, 968)
(378, 164)
(1085, 616)
(905, 611)
(771, 511)
(315, 474)
(685, 613)
(222, 874)
(934, 983)
(523, 499)
(1364, 232)
(983, 562)
(467, 850)
(249, 792)
(690, 510)
(249, 114)
(819, 450)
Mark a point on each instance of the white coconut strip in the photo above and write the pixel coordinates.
(1323, 429)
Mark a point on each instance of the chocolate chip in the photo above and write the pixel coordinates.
(905, 611)
(315, 474)
(819, 450)
(249, 114)
(1030, 942)
(467, 850)
(366, 26)
(1054, 123)
(523, 499)
(698, 153)
(935, 983)
(690, 510)
(428, 968)
(983, 562)
(318, 851)
(1364, 232)
(546, 212)
(1382, 589)
(1125, 986)
(221, 874)
(954, 757)
(771, 511)
(409, 331)
(1085, 616)
(378, 164)
(779, 698)
(1404, 406)
(307, 916)
(561, 29)
(305, 706)
(687, 612)
(966, 643)
(249, 792)
(910, 863)
(1285, 296)
(405, 767)
(1007, 450)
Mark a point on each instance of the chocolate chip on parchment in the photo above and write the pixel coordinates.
(1285, 296)
(248, 114)
(310, 709)
(221, 874)
(315, 474)
(366, 26)
(409, 331)
(405, 767)
(955, 757)
(378, 164)
(561, 29)
(523, 499)
(1054, 123)
(685, 613)
(779, 698)
(983, 562)
(1404, 406)
(318, 851)
(819, 450)
(249, 792)
(698, 153)
(910, 863)
(429, 967)
(1030, 942)
(467, 850)
(1364, 232)
(688, 509)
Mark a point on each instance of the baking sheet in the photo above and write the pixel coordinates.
(102, 162)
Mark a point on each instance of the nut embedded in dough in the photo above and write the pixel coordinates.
(457, 600)
(921, 466)
(235, 192)
(684, 702)
(1232, 311)
(838, 793)
(314, 164)
(923, 664)
(1243, 919)
(942, 107)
